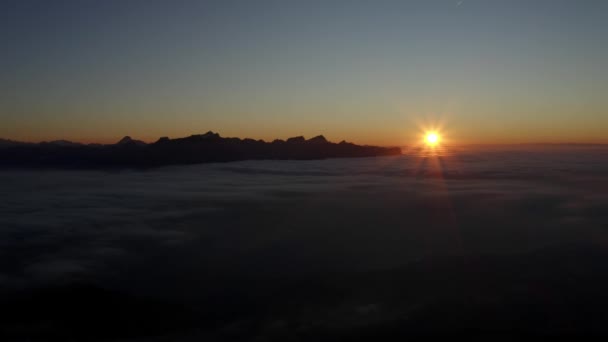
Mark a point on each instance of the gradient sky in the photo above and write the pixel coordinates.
(365, 71)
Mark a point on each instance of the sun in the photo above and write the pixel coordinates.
(431, 138)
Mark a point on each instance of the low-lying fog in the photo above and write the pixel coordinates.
(321, 248)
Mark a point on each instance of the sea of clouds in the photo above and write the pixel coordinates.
(190, 233)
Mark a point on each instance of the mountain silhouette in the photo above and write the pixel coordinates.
(128, 141)
(11, 143)
(198, 148)
(62, 143)
(319, 139)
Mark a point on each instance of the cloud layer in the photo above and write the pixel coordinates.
(336, 239)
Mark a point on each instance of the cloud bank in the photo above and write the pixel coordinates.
(325, 248)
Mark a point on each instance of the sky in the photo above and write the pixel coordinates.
(372, 72)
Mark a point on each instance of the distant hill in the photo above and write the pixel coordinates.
(199, 148)
(11, 143)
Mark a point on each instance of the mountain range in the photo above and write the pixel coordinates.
(198, 148)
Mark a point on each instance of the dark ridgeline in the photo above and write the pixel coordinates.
(200, 148)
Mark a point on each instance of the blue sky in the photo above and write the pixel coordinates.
(365, 71)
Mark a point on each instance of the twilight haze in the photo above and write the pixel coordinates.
(372, 72)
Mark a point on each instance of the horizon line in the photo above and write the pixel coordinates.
(473, 144)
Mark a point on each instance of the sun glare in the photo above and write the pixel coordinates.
(431, 138)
